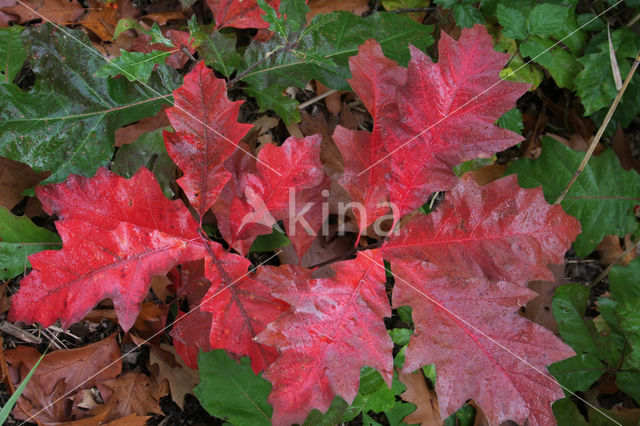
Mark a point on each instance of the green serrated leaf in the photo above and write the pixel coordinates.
(569, 306)
(561, 64)
(400, 336)
(19, 238)
(511, 120)
(338, 412)
(147, 151)
(12, 52)
(602, 198)
(66, 123)
(374, 394)
(595, 84)
(231, 391)
(547, 19)
(270, 242)
(579, 372)
(465, 416)
(133, 65)
(513, 22)
(522, 72)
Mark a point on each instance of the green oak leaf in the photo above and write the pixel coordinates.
(374, 394)
(321, 51)
(218, 50)
(230, 390)
(133, 65)
(602, 198)
(147, 151)
(19, 238)
(66, 123)
(12, 53)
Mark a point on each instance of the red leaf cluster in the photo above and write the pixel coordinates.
(463, 269)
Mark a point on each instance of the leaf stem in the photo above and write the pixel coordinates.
(601, 130)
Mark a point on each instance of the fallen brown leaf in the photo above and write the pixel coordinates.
(538, 309)
(150, 320)
(14, 179)
(170, 368)
(6, 19)
(102, 19)
(129, 134)
(357, 7)
(62, 12)
(610, 250)
(427, 412)
(489, 173)
(333, 101)
(59, 373)
(163, 17)
(131, 393)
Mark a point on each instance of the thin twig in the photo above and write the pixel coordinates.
(622, 256)
(316, 99)
(256, 64)
(634, 20)
(19, 333)
(601, 130)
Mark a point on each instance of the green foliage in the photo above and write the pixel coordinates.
(133, 65)
(147, 151)
(607, 343)
(270, 242)
(155, 33)
(464, 12)
(12, 53)
(230, 390)
(217, 49)
(595, 84)
(19, 238)
(66, 123)
(297, 53)
(602, 198)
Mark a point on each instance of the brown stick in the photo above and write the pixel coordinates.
(600, 132)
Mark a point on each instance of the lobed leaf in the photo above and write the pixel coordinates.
(602, 198)
(66, 123)
(333, 329)
(117, 234)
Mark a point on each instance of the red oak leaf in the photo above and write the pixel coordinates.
(240, 307)
(375, 81)
(448, 110)
(481, 347)
(117, 234)
(463, 269)
(240, 13)
(287, 184)
(207, 133)
(334, 329)
(190, 335)
(498, 231)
